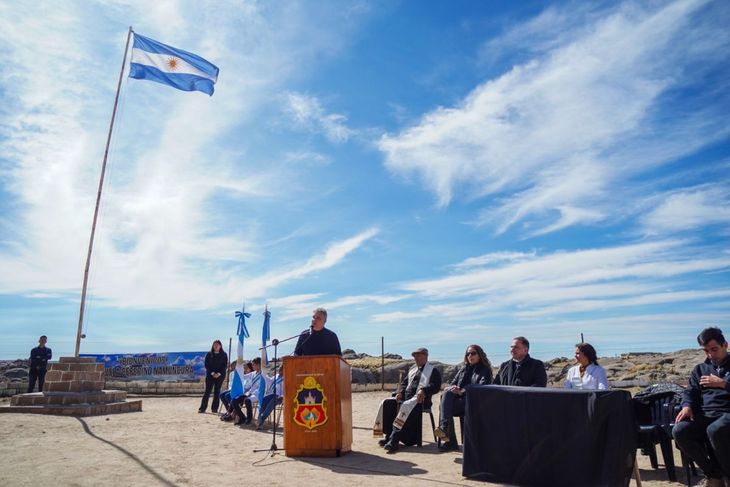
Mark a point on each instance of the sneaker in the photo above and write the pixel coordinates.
(441, 434)
(383, 441)
(201, 410)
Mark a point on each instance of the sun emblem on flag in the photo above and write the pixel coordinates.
(172, 63)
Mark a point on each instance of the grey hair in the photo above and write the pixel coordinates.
(323, 312)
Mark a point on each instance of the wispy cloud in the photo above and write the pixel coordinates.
(307, 112)
(689, 209)
(164, 237)
(492, 258)
(554, 140)
(568, 282)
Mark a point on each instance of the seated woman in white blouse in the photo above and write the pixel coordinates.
(586, 374)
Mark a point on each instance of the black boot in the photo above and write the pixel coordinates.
(391, 446)
(249, 412)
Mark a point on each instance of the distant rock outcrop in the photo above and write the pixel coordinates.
(626, 370)
(14, 370)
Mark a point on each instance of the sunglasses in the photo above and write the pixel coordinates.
(469, 354)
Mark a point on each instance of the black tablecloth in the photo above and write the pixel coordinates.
(535, 436)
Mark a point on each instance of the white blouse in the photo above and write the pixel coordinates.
(593, 378)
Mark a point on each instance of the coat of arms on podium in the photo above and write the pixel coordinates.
(309, 404)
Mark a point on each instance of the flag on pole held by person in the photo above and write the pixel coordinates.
(237, 386)
(265, 336)
(155, 61)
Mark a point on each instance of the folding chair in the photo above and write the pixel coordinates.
(654, 428)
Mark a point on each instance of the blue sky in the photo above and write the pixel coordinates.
(436, 173)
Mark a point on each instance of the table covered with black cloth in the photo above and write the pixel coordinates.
(535, 436)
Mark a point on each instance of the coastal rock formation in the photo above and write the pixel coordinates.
(635, 369)
(626, 370)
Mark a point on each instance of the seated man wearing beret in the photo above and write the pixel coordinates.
(414, 395)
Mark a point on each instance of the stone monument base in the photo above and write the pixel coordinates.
(73, 387)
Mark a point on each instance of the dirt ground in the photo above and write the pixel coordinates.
(170, 444)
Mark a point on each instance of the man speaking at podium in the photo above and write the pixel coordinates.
(318, 340)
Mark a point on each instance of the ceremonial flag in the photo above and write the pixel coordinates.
(265, 336)
(237, 388)
(165, 64)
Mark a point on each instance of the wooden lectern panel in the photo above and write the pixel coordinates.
(317, 406)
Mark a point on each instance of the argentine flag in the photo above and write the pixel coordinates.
(265, 336)
(180, 69)
(237, 385)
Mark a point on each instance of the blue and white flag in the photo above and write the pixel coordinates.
(241, 332)
(165, 64)
(265, 336)
(237, 386)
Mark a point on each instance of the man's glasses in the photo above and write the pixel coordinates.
(469, 354)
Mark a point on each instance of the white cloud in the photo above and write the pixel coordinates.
(307, 112)
(163, 239)
(493, 257)
(300, 306)
(567, 282)
(689, 209)
(552, 139)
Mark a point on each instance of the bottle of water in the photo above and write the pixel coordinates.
(577, 382)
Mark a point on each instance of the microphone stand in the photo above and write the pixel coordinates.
(275, 343)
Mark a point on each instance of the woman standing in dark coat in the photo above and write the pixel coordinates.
(477, 370)
(216, 362)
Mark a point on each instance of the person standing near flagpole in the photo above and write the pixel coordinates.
(216, 363)
(39, 358)
(319, 340)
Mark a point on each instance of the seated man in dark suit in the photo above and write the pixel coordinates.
(521, 370)
(415, 391)
(705, 414)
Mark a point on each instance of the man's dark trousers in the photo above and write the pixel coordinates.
(40, 375)
(691, 437)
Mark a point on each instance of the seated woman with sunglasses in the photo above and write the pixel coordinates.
(477, 370)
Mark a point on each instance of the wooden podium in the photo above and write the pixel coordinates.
(317, 406)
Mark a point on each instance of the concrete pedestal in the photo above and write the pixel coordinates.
(73, 387)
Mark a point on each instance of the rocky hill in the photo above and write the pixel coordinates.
(627, 370)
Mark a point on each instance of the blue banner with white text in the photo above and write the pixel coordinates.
(152, 366)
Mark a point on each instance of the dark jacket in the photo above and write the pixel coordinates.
(710, 401)
(480, 375)
(216, 362)
(434, 385)
(530, 373)
(322, 342)
(39, 358)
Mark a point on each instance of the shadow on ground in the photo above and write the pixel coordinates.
(129, 454)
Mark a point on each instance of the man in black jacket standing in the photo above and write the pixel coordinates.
(39, 358)
(521, 370)
(705, 414)
(318, 340)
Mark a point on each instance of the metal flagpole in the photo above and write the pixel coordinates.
(98, 198)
